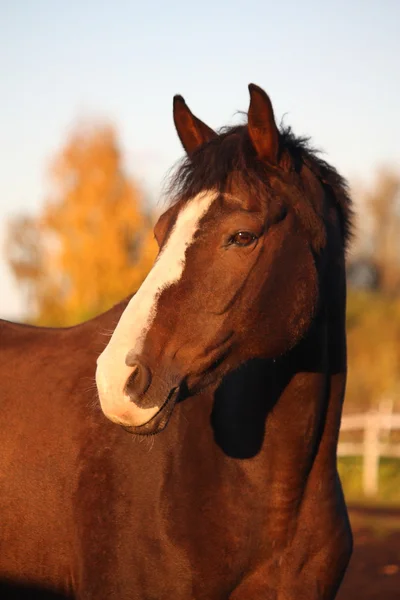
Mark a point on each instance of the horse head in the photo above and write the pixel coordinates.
(248, 250)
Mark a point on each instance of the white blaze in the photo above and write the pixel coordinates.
(130, 333)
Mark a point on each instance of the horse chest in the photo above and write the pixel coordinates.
(187, 528)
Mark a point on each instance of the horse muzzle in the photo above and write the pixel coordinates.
(134, 396)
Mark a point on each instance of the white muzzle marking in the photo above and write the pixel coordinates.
(112, 372)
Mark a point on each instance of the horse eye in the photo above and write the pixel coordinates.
(243, 238)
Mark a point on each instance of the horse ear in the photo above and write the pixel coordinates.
(191, 131)
(263, 131)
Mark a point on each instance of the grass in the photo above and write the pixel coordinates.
(350, 470)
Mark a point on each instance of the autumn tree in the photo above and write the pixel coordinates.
(92, 244)
(379, 228)
(383, 202)
(373, 316)
(373, 343)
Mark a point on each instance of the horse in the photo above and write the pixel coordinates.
(190, 453)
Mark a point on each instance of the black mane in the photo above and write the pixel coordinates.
(211, 165)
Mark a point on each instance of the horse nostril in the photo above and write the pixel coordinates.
(139, 379)
(131, 358)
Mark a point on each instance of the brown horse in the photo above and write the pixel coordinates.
(233, 352)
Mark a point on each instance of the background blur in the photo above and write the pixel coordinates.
(87, 137)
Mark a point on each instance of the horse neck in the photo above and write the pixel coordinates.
(284, 415)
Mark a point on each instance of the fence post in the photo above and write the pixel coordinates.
(371, 453)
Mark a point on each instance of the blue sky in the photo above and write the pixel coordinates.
(332, 69)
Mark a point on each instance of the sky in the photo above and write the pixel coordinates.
(331, 70)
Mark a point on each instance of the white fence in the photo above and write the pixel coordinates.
(376, 427)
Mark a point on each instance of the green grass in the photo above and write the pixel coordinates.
(350, 471)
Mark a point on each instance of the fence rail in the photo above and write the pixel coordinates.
(376, 427)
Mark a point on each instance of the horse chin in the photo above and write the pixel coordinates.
(158, 421)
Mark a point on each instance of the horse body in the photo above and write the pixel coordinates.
(238, 497)
(42, 413)
(91, 512)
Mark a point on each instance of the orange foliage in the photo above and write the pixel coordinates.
(92, 245)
